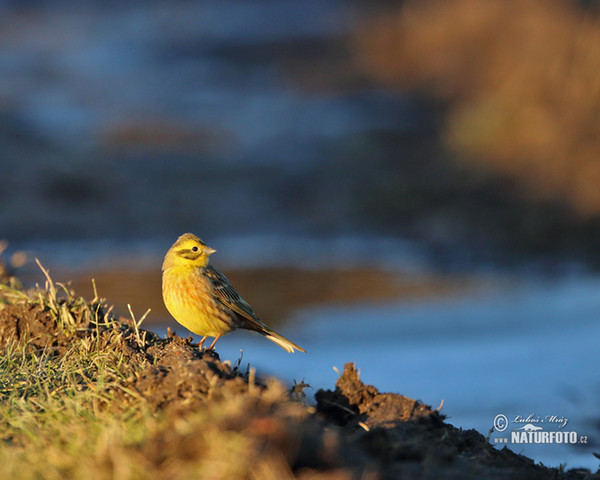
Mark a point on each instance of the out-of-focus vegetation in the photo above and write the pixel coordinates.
(520, 79)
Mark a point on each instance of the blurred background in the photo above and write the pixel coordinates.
(411, 185)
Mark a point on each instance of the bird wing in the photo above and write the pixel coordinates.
(230, 298)
(228, 295)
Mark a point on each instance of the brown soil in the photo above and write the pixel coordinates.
(354, 432)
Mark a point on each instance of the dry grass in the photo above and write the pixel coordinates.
(69, 407)
(520, 79)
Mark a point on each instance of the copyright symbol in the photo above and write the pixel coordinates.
(500, 422)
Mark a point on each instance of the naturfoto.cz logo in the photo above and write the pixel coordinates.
(535, 429)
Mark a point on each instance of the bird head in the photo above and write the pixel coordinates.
(188, 250)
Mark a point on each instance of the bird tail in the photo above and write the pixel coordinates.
(283, 342)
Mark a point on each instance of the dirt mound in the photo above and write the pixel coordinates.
(354, 432)
(29, 323)
(408, 439)
(181, 373)
(42, 329)
(354, 403)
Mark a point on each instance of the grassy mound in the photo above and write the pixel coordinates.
(86, 395)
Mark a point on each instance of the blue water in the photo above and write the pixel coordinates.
(530, 349)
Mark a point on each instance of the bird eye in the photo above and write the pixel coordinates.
(194, 249)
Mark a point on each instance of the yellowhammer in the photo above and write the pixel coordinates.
(202, 299)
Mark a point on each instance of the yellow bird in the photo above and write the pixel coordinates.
(201, 298)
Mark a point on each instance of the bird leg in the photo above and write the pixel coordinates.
(212, 345)
(202, 343)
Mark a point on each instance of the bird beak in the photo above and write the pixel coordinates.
(209, 251)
